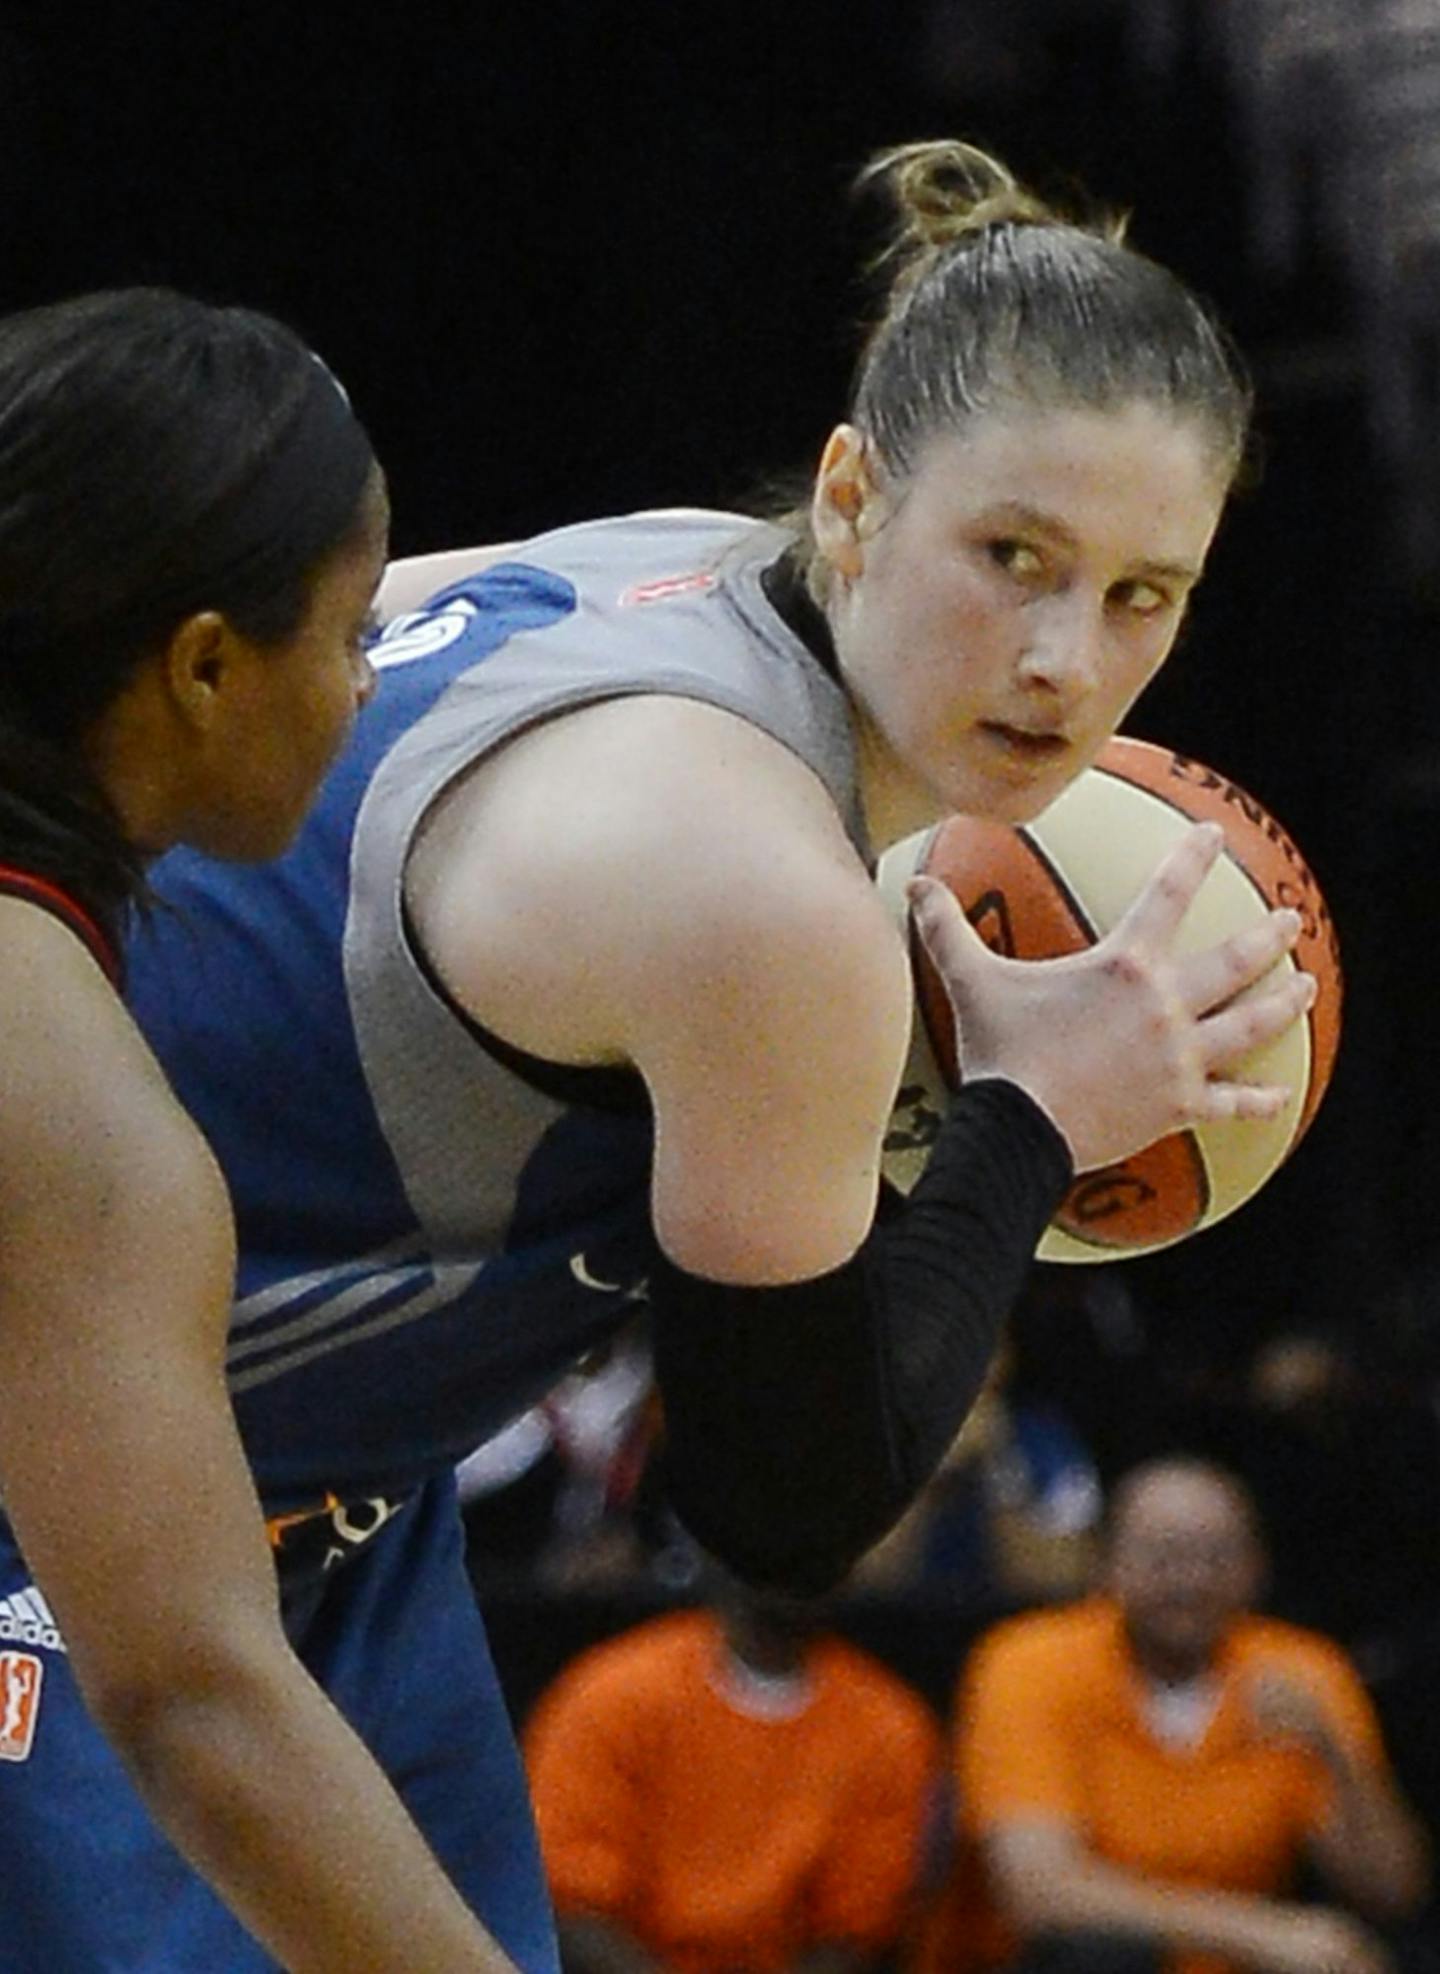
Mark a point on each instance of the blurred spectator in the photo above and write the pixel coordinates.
(1341, 1454)
(731, 1789)
(1010, 1516)
(1142, 1775)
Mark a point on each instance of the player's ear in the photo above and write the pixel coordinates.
(845, 503)
(199, 665)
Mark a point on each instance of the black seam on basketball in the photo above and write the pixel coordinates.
(1310, 1102)
(1082, 921)
(1202, 1173)
(1231, 852)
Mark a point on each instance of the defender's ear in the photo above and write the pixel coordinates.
(199, 664)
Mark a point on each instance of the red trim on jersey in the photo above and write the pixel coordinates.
(40, 891)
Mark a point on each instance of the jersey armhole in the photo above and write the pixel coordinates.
(621, 1092)
(51, 898)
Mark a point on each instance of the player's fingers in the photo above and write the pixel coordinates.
(1153, 917)
(1223, 1101)
(948, 935)
(1231, 1033)
(1209, 979)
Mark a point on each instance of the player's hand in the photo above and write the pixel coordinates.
(1129, 1040)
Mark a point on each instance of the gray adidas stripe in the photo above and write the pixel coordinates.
(449, 1282)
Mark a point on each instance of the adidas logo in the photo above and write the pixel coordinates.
(25, 1619)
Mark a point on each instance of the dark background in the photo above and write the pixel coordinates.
(572, 256)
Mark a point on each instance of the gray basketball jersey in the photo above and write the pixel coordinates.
(666, 602)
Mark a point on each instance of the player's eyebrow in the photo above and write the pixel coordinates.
(1019, 514)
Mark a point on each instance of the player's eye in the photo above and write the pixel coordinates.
(1142, 599)
(1016, 558)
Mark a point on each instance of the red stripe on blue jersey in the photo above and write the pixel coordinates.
(51, 898)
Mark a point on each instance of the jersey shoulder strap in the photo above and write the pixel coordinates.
(53, 899)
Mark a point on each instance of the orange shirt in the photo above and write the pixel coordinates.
(718, 1838)
(1050, 1722)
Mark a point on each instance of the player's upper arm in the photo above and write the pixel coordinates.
(769, 1027)
(119, 1463)
(655, 881)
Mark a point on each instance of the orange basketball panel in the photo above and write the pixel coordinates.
(1017, 903)
(1158, 1195)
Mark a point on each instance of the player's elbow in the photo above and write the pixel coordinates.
(173, 1714)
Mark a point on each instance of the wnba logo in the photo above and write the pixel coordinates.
(20, 1676)
(663, 586)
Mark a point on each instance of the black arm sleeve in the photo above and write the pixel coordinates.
(802, 1420)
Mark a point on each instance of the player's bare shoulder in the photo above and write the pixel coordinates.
(639, 850)
(87, 1118)
(60, 1009)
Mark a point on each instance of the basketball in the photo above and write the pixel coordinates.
(1058, 884)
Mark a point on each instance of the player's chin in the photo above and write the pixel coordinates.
(1016, 799)
(1010, 784)
(1033, 802)
(276, 821)
(258, 835)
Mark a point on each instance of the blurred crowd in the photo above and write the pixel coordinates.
(1336, 1437)
(1154, 1689)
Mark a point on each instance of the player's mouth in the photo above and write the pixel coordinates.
(1030, 744)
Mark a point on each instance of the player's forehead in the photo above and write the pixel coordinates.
(1137, 479)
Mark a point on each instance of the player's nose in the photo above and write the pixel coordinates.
(1062, 654)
